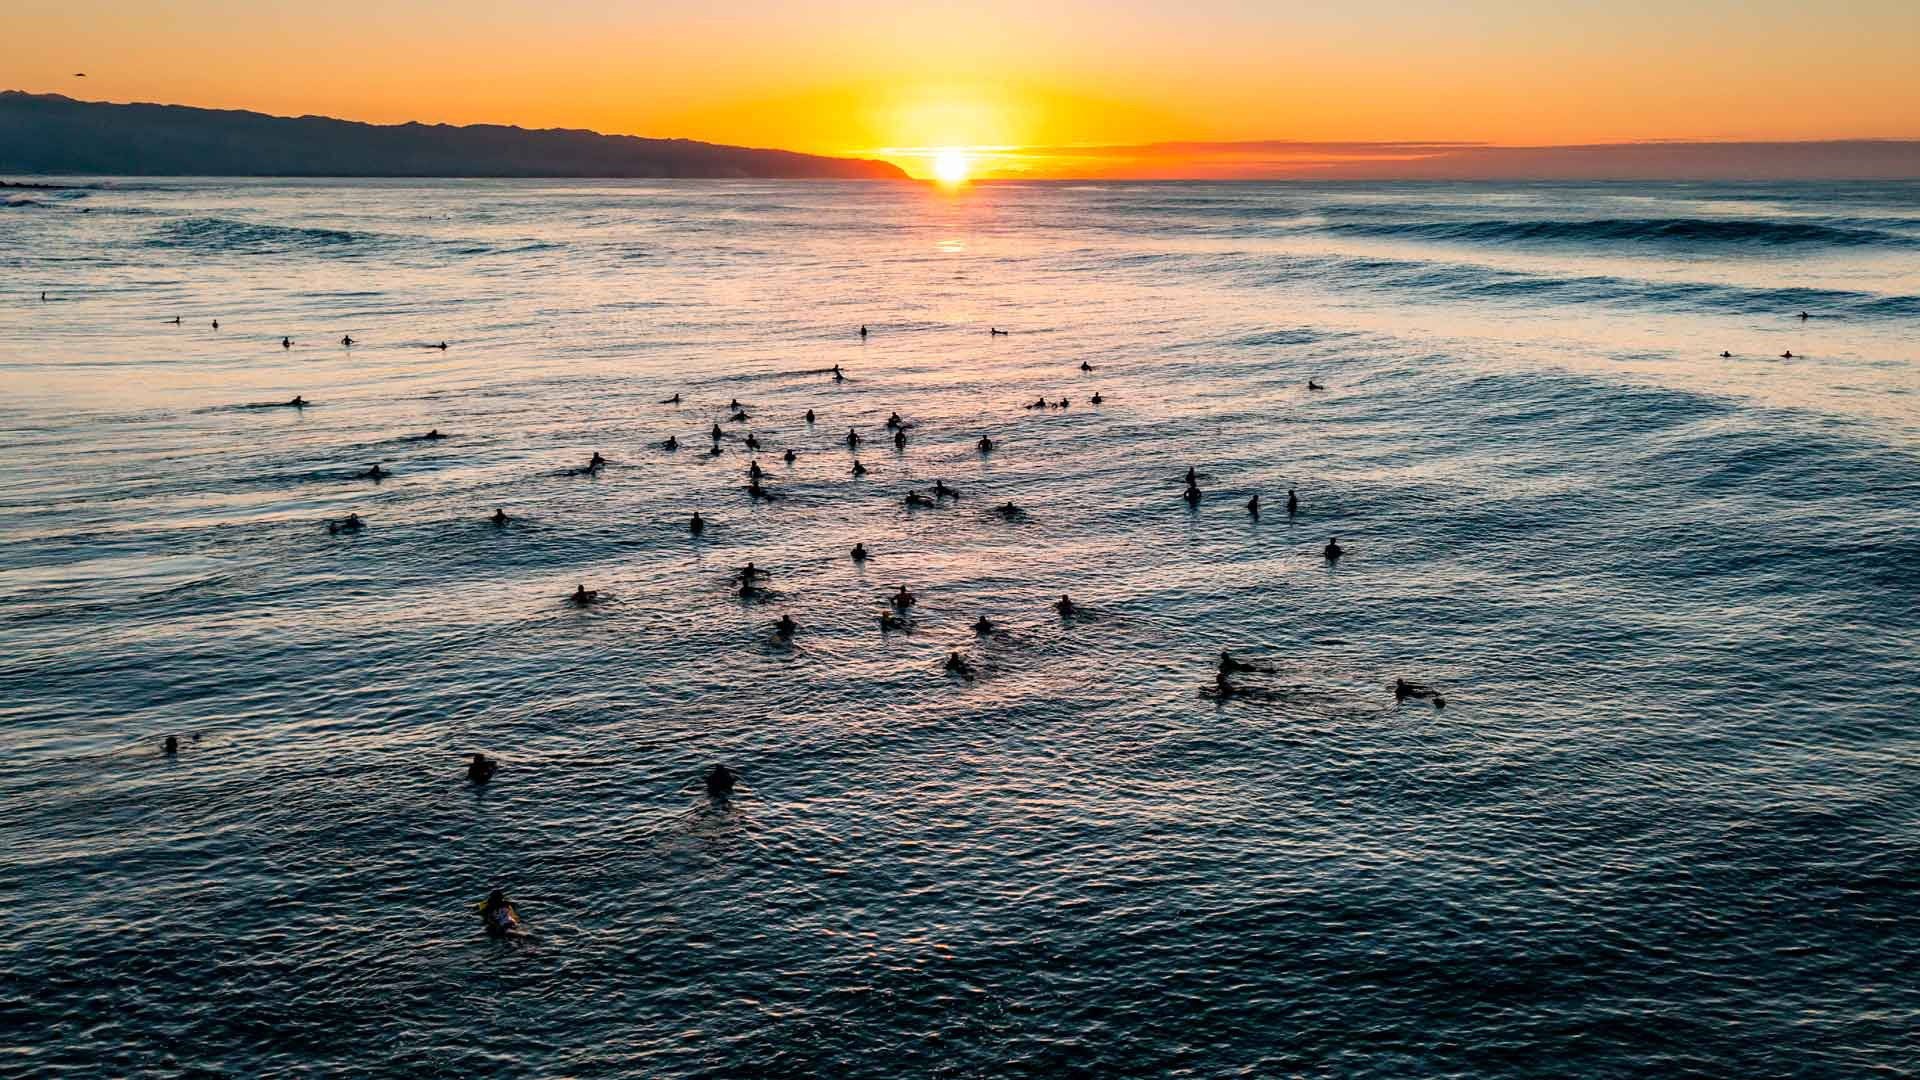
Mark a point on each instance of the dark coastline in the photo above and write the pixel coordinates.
(49, 134)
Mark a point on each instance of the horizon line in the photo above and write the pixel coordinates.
(1720, 158)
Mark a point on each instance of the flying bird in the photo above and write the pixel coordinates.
(79, 74)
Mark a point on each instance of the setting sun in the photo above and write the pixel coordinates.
(950, 167)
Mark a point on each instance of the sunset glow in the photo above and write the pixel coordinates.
(1021, 90)
(950, 166)
(999, 538)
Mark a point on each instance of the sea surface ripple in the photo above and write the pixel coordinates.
(1667, 825)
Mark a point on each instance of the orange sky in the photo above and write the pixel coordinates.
(892, 79)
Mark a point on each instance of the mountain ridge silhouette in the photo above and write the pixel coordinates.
(52, 134)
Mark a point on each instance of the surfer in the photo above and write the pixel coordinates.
(697, 525)
(903, 599)
(985, 445)
(785, 627)
(1066, 607)
(1293, 501)
(1230, 666)
(582, 596)
(674, 400)
(859, 553)
(480, 768)
(720, 781)
(957, 665)
(1253, 507)
(859, 469)
(497, 914)
(790, 456)
(1402, 690)
(983, 625)
(499, 516)
(672, 443)
(1333, 550)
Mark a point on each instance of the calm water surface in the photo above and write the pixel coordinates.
(1667, 825)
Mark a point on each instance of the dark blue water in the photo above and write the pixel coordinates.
(1667, 825)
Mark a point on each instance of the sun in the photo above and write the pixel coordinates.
(950, 167)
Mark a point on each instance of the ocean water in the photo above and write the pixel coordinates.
(1667, 824)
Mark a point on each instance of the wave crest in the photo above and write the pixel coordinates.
(1641, 230)
(219, 234)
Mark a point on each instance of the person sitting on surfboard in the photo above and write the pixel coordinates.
(497, 913)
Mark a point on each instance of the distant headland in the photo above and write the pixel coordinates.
(57, 135)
